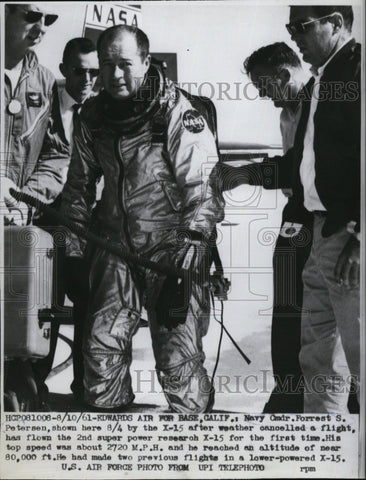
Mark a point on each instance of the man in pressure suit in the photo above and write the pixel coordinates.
(156, 153)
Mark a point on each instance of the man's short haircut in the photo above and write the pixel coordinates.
(347, 13)
(79, 45)
(277, 55)
(111, 33)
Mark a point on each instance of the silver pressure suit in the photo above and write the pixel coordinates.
(152, 188)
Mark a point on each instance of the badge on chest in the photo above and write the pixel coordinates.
(34, 99)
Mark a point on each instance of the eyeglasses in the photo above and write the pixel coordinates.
(80, 71)
(32, 16)
(300, 27)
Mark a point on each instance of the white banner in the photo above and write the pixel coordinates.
(104, 15)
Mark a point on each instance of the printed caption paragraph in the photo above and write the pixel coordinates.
(74, 445)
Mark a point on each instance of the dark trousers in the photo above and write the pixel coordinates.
(289, 259)
(77, 290)
(72, 282)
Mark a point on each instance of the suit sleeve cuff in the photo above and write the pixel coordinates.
(354, 229)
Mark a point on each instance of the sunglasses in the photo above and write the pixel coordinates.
(80, 71)
(31, 16)
(300, 27)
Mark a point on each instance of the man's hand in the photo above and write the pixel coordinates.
(228, 177)
(6, 185)
(17, 212)
(347, 270)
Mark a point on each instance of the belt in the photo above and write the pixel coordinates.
(320, 213)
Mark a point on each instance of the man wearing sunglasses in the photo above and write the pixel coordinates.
(35, 153)
(328, 185)
(327, 178)
(80, 68)
(325, 166)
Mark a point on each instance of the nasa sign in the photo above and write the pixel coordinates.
(99, 16)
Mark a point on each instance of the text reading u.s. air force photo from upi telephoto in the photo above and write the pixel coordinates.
(182, 232)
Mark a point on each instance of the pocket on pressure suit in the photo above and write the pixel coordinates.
(111, 326)
(172, 194)
(125, 323)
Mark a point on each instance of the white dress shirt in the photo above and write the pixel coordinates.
(289, 119)
(66, 106)
(67, 111)
(312, 201)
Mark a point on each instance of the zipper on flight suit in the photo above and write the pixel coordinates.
(11, 124)
(38, 118)
(121, 190)
(7, 140)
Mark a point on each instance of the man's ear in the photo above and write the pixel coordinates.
(284, 75)
(337, 20)
(62, 69)
(147, 62)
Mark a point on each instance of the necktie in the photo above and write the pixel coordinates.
(76, 107)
